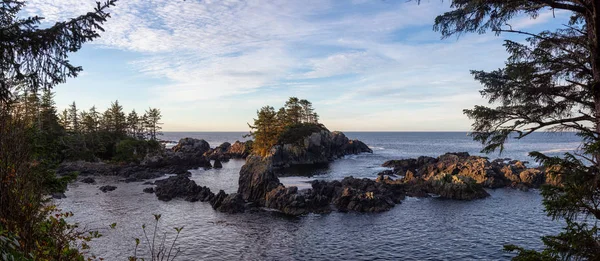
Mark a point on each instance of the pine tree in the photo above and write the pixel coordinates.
(64, 119)
(550, 82)
(132, 124)
(153, 117)
(34, 59)
(74, 117)
(118, 120)
(293, 111)
(265, 130)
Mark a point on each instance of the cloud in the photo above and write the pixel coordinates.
(213, 54)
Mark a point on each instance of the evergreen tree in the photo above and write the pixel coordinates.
(550, 82)
(74, 117)
(133, 123)
(35, 59)
(119, 121)
(265, 130)
(293, 111)
(64, 120)
(153, 117)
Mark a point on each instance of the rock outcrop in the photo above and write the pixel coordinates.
(107, 188)
(451, 173)
(88, 180)
(240, 150)
(187, 154)
(181, 186)
(257, 179)
(318, 147)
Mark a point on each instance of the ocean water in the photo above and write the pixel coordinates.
(417, 229)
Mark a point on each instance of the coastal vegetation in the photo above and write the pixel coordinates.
(289, 124)
(34, 60)
(551, 81)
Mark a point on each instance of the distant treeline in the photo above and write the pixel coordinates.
(88, 134)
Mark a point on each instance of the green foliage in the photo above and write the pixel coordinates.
(549, 82)
(294, 121)
(34, 60)
(38, 58)
(295, 134)
(132, 150)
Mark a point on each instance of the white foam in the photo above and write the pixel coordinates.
(558, 150)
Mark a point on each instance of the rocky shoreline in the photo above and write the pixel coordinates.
(457, 176)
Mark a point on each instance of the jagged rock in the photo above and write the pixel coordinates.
(318, 147)
(181, 187)
(286, 200)
(217, 164)
(532, 177)
(191, 145)
(496, 174)
(107, 188)
(256, 179)
(232, 203)
(240, 150)
(149, 190)
(458, 187)
(88, 180)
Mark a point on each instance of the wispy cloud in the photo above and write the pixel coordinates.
(245, 53)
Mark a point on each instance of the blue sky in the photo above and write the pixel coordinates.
(209, 65)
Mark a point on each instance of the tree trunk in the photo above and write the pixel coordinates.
(593, 28)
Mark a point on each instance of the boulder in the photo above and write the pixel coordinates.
(256, 179)
(181, 187)
(217, 164)
(286, 200)
(457, 187)
(191, 146)
(532, 177)
(58, 195)
(240, 150)
(88, 180)
(149, 190)
(232, 203)
(107, 188)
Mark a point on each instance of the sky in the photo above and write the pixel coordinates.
(210, 65)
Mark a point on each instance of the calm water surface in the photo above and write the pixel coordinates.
(417, 229)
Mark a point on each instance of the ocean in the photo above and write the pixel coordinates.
(417, 229)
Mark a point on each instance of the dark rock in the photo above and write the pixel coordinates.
(216, 201)
(286, 200)
(107, 188)
(317, 148)
(181, 187)
(149, 190)
(58, 195)
(256, 179)
(233, 203)
(88, 180)
(192, 146)
(217, 164)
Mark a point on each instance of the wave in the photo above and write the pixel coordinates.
(558, 150)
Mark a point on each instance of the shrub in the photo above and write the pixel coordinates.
(295, 134)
